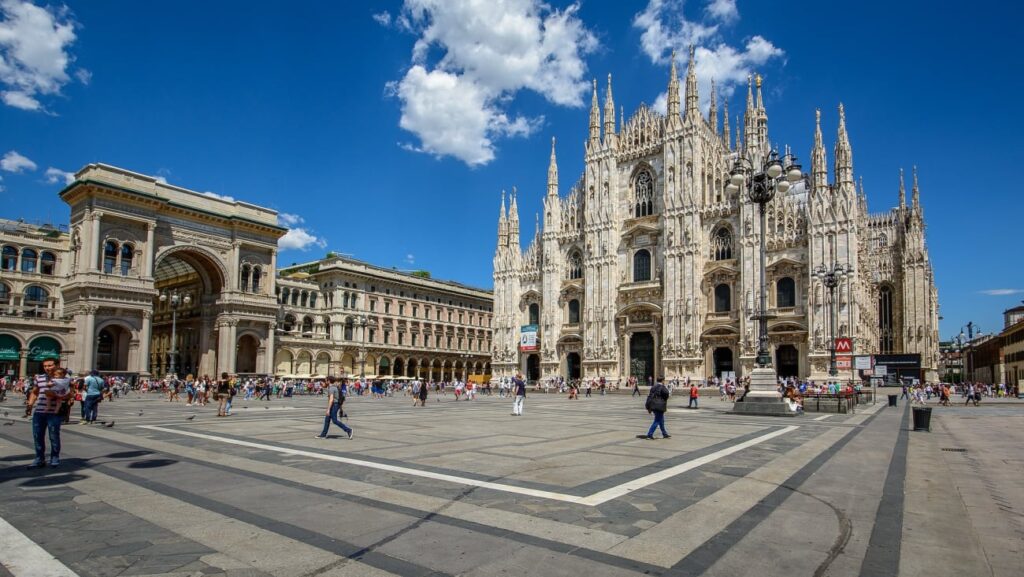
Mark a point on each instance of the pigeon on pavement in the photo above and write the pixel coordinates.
(190, 417)
(110, 424)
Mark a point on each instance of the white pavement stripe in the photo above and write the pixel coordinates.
(821, 418)
(592, 500)
(23, 558)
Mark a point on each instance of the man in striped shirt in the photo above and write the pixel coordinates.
(49, 391)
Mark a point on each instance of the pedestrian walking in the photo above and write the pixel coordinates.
(519, 388)
(657, 404)
(223, 392)
(694, 396)
(94, 386)
(50, 391)
(334, 401)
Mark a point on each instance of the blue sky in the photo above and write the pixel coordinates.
(388, 129)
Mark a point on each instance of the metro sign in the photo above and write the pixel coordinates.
(844, 346)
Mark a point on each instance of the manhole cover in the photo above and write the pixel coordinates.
(954, 450)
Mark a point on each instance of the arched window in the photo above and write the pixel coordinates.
(110, 250)
(574, 312)
(785, 293)
(295, 298)
(307, 325)
(883, 241)
(289, 323)
(348, 330)
(344, 301)
(284, 295)
(257, 276)
(721, 244)
(575, 265)
(5, 294)
(312, 300)
(36, 298)
(47, 263)
(534, 314)
(127, 256)
(305, 299)
(886, 337)
(643, 203)
(28, 260)
(243, 281)
(642, 266)
(723, 298)
(9, 259)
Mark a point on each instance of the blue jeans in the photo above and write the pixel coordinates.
(90, 408)
(659, 421)
(693, 402)
(41, 423)
(332, 416)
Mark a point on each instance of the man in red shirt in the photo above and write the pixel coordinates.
(694, 396)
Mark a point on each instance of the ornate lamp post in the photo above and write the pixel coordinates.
(175, 300)
(761, 182)
(831, 278)
(362, 348)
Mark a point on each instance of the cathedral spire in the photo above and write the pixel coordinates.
(903, 192)
(819, 169)
(502, 224)
(750, 95)
(595, 119)
(692, 109)
(760, 101)
(673, 90)
(915, 194)
(553, 172)
(609, 114)
(713, 109)
(513, 223)
(843, 153)
(725, 120)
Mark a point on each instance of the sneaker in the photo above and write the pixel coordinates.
(54, 462)
(667, 437)
(350, 433)
(320, 436)
(36, 464)
(651, 437)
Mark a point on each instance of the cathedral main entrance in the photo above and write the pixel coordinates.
(641, 357)
(723, 360)
(533, 368)
(787, 361)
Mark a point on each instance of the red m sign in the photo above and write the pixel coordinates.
(844, 346)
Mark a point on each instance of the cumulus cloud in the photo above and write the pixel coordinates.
(383, 18)
(223, 197)
(471, 59)
(14, 162)
(1001, 292)
(56, 175)
(666, 28)
(299, 239)
(289, 220)
(34, 52)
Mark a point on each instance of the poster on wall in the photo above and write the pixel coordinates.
(528, 338)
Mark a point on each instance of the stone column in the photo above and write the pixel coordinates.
(236, 247)
(87, 342)
(150, 253)
(145, 341)
(271, 283)
(23, 365)
(271, 354)
(95, 249)
(223, 347)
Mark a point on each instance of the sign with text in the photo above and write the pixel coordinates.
(528, 338)
(881, 370)
(844, 363)
(844, 346)
(863, 362)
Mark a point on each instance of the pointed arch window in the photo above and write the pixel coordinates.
(642, 266)
(885, 320)
(643, 203)
(721, 244)
(575, 265)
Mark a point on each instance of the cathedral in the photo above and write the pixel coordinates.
(648, 266)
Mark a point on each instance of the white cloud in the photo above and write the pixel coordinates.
(223, 197)
(1, 184)
(486, 52)
(34, 57)
(1001, 292)
(290, 220)
(383, 18)
(56, 175)
(666, 28)
(299, 239)
(14, 162)
(724, 10)
(410, 258)
(160, 179)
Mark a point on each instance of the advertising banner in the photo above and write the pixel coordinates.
(863, 362)
(528, 338)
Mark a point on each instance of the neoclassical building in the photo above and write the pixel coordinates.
(648, 265)
(89, 294)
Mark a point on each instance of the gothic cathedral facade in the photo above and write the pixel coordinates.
(649, 267)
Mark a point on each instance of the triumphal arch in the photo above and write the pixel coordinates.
(135, 238)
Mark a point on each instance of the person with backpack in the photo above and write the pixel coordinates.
(94, 386)
(334, 401)
(657, 403)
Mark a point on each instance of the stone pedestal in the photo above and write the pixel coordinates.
(763, 397)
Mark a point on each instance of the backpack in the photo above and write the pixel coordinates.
(657, 399)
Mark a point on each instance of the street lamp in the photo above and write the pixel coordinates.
(175, 300)
(761, 182)
(362, 351)
(831, 277)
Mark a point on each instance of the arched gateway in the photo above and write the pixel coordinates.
(134, 239)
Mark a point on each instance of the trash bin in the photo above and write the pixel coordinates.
(922, 419)
(892, 400)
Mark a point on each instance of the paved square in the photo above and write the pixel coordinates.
(461, 488)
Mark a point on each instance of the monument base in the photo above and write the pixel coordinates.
(763, 398)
